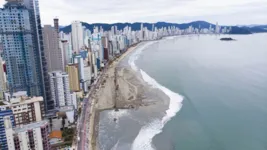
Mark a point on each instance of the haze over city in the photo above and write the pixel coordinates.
(227, 12)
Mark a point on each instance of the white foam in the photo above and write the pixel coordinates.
(143, 141)
(115, 147)
(117, 114)
(136, 55)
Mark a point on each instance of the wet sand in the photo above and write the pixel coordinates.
(120, 88)
(137, 103)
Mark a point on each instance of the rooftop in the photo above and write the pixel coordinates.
(30, 126)
(23, 100)
(55, 134)
(66, 108)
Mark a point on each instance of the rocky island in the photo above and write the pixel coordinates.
(227, 39)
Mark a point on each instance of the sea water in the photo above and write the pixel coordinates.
(216, 94)
(223, 85)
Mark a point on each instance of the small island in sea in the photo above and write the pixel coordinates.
(227, 39)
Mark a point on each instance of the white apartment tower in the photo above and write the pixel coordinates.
(217, 28)
(26, 109)
(60, 90)
(77, 36)
(65, 45)
(28, 137)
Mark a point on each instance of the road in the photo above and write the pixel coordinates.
(84, 120)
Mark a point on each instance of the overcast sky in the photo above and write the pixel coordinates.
(226, 12)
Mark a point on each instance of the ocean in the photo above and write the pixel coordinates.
(215, 96)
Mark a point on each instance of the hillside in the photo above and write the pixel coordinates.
(195, 24)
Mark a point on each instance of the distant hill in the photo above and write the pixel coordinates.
(137, 25)
(261, 26)
(257, 29)
(254, 25)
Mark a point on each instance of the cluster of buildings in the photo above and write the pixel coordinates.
(34, 86)
(45, 72)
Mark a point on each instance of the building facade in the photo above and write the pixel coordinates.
(33, 136)
(3, 87)
(53, 53)
(73, 97)
(79, 60)
(18, 48)
(73, 72)
(4, 114)
(77, 36)
(20, 27)
(67, 53)
(26, 110)
(59, 83)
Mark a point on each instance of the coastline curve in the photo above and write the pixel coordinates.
(148, 132)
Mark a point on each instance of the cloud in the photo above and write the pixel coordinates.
(227, 12)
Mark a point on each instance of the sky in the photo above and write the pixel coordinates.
(225, 12)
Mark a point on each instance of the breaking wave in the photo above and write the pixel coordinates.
(143, 141)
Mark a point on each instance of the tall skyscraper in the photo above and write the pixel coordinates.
(73, 71)
(66, 52)
(79, 60)
(53, 53)
(59, 82)
(20, 27)
(35, 19)
(77, 36)
(217, 28)
(65, 45)
(18, 48)
(56, 25)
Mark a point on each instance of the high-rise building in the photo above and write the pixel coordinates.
(59, 82)
(67, 54)
(65, 45)
(217, 28)
(53, 53)
(56, 25)
(18, 48)
(73, 71)
(35, 20)
(20, 27)
(77, 36)
(79, 60)
(73, 97)
(2, 80)
(29, 137)
(26, 109)
(3, 137)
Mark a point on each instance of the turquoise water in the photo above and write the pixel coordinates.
(224, 85)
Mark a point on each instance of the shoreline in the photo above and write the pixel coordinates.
(107, 129)
(103, 102)
(115, 79)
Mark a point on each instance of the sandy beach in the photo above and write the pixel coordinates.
(119, 89)
(137, 104)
